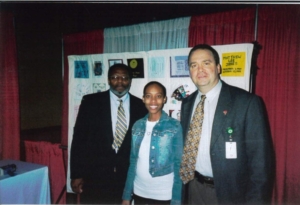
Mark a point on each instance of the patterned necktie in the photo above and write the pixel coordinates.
(188, 163)
(121, 127)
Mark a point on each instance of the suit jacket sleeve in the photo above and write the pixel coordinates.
(259, 154)
(78, 146)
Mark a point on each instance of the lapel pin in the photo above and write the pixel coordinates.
(225, 112)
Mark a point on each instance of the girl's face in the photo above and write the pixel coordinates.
(154, 100)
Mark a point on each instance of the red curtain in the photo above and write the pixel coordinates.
(9, 90)
(77, 44)
(278, 82)
(46, 153)
(223, 28)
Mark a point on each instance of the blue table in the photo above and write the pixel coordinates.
(30, 185)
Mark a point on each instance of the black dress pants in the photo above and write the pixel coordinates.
(201, 193)
(145, 201)
(95, 192)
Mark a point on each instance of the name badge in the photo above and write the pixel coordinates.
(231, 150)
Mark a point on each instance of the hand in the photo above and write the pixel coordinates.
(125, 202)
(76, 185)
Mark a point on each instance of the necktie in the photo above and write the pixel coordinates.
(187, 168)
(121, 127)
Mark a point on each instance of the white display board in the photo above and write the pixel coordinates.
(88, 74)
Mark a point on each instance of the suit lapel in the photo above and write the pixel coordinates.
(131, 104)
(187, 112)
(131, 116)
(107, 115)
(223, 109)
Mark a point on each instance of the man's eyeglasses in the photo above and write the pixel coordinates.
(117, 77)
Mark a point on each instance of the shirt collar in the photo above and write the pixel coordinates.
(210, 95)
(116, 98)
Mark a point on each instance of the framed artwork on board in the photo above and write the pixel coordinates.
(114, 61)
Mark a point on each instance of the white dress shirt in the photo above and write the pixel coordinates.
(203, 161)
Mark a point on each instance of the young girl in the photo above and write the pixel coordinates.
(156, 150)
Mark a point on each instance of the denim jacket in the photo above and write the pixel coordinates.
(165, 153)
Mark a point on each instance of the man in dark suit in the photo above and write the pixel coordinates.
(233, 157)
(99, 169)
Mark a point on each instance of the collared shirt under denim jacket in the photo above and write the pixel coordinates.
(166, 150)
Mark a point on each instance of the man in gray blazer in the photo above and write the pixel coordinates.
(233, 157)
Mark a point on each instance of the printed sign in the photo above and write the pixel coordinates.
(233, 64)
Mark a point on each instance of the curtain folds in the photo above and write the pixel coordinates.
(277, 82)
(166, 34)
(9, 90)
(223, 28)
(51, 155)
